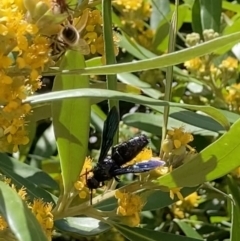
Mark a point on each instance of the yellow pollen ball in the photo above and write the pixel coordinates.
(82, 194)
(78, 185)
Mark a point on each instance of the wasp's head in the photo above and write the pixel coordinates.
(93, 183)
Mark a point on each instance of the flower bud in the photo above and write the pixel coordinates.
(167, 145)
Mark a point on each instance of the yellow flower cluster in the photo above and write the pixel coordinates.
(215, 76)
(177, 140)
(133, 15)
(80, 184)
(129, 208)
(21, 47)
(183, 206)
(176, 191)
(39, 208)
(175, 147)
(144, 155)
(202, 67)
(233, 97)
(129, 5)
(236, 172)
(92, 32)
(42, 211)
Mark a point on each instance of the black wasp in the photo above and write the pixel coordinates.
(109, 167)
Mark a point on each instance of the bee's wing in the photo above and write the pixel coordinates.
(139, 167)
(109, 129)
(83, 47)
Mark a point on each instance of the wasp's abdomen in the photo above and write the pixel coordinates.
(126, 151)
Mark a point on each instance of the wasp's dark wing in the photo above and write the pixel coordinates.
(139, 167)
(109, 129)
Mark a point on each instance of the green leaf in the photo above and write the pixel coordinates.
(233, 190)
(71, 118)
(161, 37)
(198, 120)
(83, 226)
(40, 112)
(162, 61)
(142, 234)
(153, 123)
(32, 189)
(31, 129)
(20, 219)
(97, 118)
(231, 6)
(146, 88)
(160, 9)
(13, 168)
(45, 146)
(133, 48)
(215, 161)
(196, 18)
(211, 14)
(232, 117)
(110, 94)
(188, 230)
(235, 209)
(206, 15)
(94, 62)
(162, 32)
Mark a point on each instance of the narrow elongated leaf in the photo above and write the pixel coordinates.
(162, 61)
(188, 230)
(10, 166)
(45, 146)
(153, 123)
(210, 12)
(206, 15)
(235, 209)
(146, 88)
(110, 94)
(142, 234)
(33, 190)
(160, 9)
(18, 216)
(161, 37)
(97, 118)
(196, 18)
(40, 112)
(71, 120)
(134, 48)
(216, 160)
(231, 6)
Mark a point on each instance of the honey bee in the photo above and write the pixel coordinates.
(69, 38)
